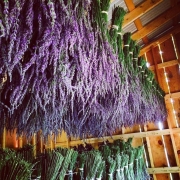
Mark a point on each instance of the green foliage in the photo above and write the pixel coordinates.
(12, 167)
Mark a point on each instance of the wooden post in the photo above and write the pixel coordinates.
(150, 152)
(34, 144)
(68, 142)
(20, 142)
(41, 143)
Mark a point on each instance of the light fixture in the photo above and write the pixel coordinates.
(160, 125)
(160, 52)
(148, 64)
(172, 101)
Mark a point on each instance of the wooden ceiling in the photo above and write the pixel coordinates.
(157, 30)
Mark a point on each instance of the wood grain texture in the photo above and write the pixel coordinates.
(159, 21)
(139, 10)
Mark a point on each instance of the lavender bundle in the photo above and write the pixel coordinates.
(135, 58)
(111, 164)
(127, 41)
(118, 166)
(26, 153)
(116, 27)
(57, 73)
(62, 72)
(12, 167)
(131, 154)
(81, 163)
(139, 168)
(100, 170)
(67, 154)
(54, 162)
(104, 4)
(72, 164)
(93, 162)
(131, 50)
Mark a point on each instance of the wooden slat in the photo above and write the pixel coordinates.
(41, 144)
(156, 23)
(34, 144)
(20, 142)
(170, 124)
(172, 95)
(126, 136)
(171, 121)
(156, 67)
(139, 11)
(163, 170)
(176, 47)
(174, 30)
(150, 152)
(68, 143)
(165, 64)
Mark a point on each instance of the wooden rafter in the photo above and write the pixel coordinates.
(139, 11)
(131, 7)
(160, 20)
(172, 95)
(174, 30)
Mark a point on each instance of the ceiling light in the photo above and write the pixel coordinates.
(147, 64)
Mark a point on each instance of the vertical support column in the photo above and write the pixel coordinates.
(176, 48)
(50, 141)
(68, 142)
(4, 139)
(41, 143)
(156, 66)
(150, 152)
(20, 142)
(123, 130)
(169, 119)
(34, 144)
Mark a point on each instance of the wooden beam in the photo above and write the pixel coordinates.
(139, 11)
(170, 124)
(165, 64)
(68, 142)
(172, 95)
(121, 136)
(150, 152)
(34, 144)
(156, 23)
(125, 136)
(41, 143)
(152, 68)
(162, 170)
(130, 5)
(156, 66)
(176, 49)
(161, 39)
(20, 141)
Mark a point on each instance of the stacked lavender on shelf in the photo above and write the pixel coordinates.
(62, 73)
